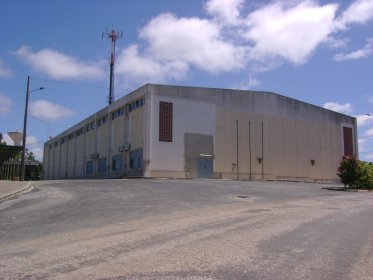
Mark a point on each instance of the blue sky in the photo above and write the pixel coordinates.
(320, 52)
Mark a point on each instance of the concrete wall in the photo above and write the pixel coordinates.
(79, 156)
(71, 157)
(257, 135)
(103, 140)
(248, 134)
(285, 149)
(167, 159)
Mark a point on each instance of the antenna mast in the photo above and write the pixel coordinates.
(113, 35)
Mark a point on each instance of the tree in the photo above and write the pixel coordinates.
(350, 171)
(30, 156)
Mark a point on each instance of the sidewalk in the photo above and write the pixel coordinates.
(9, 188)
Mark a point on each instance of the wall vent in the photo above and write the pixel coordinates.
(94, 156)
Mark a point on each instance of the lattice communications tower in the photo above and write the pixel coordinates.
(113, 35)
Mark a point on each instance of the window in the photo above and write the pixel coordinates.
(136, 104)
(348, 143)
(79, 132)
(90, 126)
(136, 159)
(55, 144)
(117, 163)
(102, 120)
(89, 168)
(120, 112)
(165, 121)
(117, 113)
(102, 165)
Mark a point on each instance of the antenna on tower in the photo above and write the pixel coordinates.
(113, 35)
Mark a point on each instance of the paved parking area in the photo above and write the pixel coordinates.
(186, 229)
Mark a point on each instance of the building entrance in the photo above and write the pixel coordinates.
(205, 167)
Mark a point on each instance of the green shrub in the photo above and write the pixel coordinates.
(350, 171)
(355, 173)
(366, 176)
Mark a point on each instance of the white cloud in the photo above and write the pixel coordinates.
(364, 120)
(228, 11)
(134, 66)
(341, 108)
(365, 143)
(369, 156)
(262, 40)
(292, 32)
(195, 41)
(366, 51)
(360, 11)
(337, 43)
(38, 153)
(370, 99)
(46, 110)
(4, 70)
(35, 146)
(249, 84)
(58, 65)
(31, 140)
(367, 98)
(228, 39)
(361, 142)
(369, 132)
(5, 104)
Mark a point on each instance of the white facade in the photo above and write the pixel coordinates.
(188, 132)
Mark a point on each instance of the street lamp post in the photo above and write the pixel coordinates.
(22, 175)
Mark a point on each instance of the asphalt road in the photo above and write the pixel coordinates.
(186, 229)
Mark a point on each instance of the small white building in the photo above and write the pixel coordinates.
(191, 132)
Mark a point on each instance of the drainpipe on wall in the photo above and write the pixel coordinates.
(250, 148)
(237, 160)
(262, 151)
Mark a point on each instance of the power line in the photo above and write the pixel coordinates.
(368, 136)
(366, 152)
(69, 83)
(48, 123)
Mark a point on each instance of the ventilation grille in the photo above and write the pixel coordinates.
(165, 121)
(348, 141)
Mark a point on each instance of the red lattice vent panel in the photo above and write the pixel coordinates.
(165, 121)
(348, 141)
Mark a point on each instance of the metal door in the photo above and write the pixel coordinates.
(205, 167)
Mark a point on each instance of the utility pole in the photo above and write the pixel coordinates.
(113, 35)
(22, 171)
(28, 91)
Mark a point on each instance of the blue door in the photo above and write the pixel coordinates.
(205, 167)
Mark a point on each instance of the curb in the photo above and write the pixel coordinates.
(341, 189)
(12, 195)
